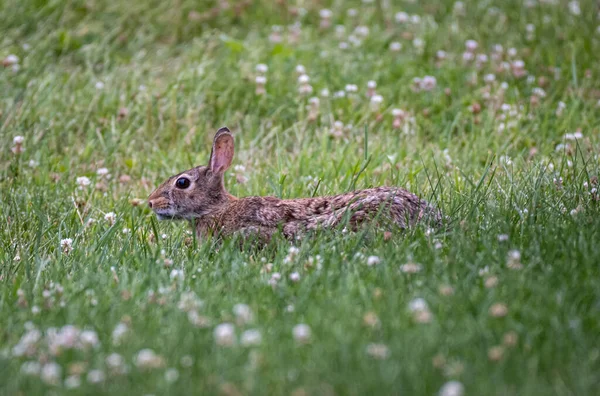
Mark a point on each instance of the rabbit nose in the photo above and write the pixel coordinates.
(150, 204)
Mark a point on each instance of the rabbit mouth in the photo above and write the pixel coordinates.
(166, 214)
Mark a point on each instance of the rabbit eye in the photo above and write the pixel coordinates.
(182, 183)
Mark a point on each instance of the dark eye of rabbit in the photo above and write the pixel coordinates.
(182, 183)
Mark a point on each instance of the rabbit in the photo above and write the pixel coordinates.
(199, 194)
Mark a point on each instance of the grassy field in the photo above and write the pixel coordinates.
(488, 109)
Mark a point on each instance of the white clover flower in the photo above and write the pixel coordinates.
(119, 333)
(72, 381)
(377, 99)
(96, 376)
(11, 60)
(428, 83)
(418, 305)
(89, 339)
(395, 46)
(111, 217)
(362, 31)
(351, 88)
(102, 172)
(262, 68)
(99, 85)
(471, 45)
(177, 274)
(115, 361)
(574, 8)
(18, 140)
(301, 333)
(251, 337)
(295, 277)
(452, 388)
(171, 375)
(410, 268)
(66, 244)
(573, 136)
(83, 181)
(260, 80)
(146, 358)
(31, 368)
(225, 334)
(401, 17)
(303, 79)
(378, 351)
(325, 13)
(51, 373)
(373, 260)
(243, 313)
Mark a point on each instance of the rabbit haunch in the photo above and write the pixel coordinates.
(200, 194)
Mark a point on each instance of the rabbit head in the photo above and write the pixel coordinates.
(199, 191)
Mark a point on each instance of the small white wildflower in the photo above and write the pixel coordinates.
(262, 68)
(301, 333)
(428, 83)
(303, 79)
(99, 85)
(376, 101)
(351, 88)
(489, 78)
(96, 376)
(171, 375)
(115, 362)
(395, 46)
(177, 274)
(410, 268)
(295, 277)
(18, 140)
(102, 172)
(251, 337)
(574, 8)
(31, 368)
(417, 305)
(471, 45)
(224, 334)
(452, 388)
(51, 373)
(83, 181)
(243, 313)
(502, 237)
(72, 382)
(11, 60)
(373, 260)
(146, 358)
(325, 13)
(378, 351)
(260, 80)
(66, 244)
(89, 339)
(111, 217)
(402, 17)
(119, 333)
(301, 70)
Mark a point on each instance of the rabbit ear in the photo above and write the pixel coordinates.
(221, 155)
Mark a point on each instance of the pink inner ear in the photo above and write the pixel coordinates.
(222, 154)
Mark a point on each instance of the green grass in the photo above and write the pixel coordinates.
(180, 76)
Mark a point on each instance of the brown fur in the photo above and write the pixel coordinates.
(217, 212)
